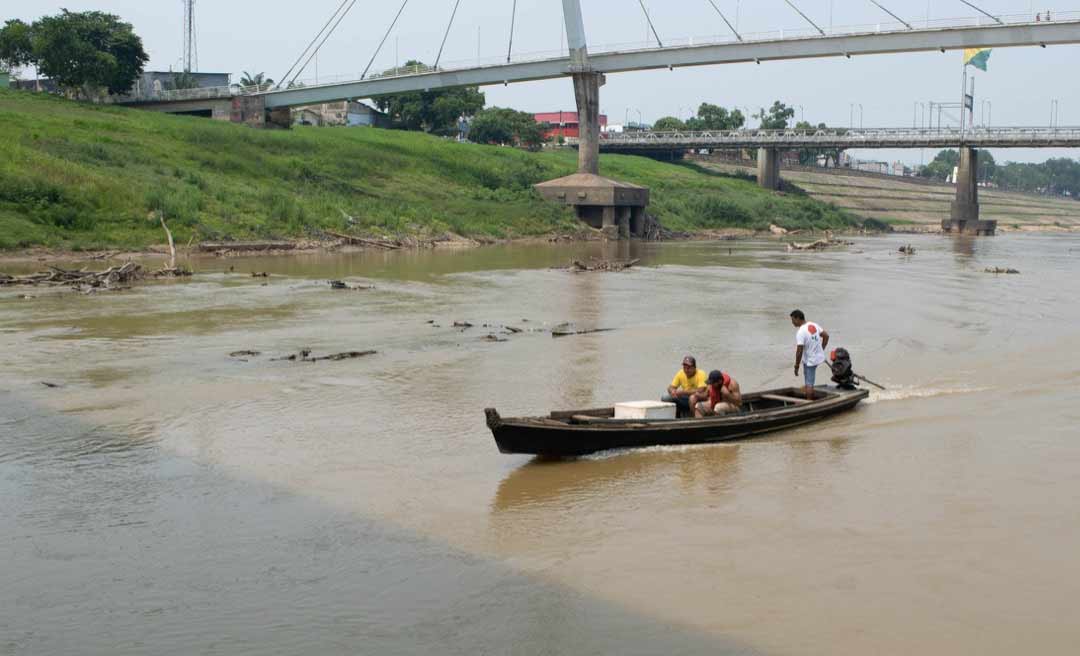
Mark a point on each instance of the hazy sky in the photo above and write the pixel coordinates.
(236, 36)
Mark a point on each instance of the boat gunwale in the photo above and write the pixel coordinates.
(837, 397)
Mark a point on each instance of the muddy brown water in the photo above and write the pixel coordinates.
(168, 499)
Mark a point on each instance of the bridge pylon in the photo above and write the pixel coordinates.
(964, 214)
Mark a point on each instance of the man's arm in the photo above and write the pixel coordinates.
(824, 339)
(798, 358)
(732, 395)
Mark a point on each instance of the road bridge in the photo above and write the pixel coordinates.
(976, 137)
(262, 105)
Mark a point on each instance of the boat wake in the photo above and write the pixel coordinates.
(903, 393)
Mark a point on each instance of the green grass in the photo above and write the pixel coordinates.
(80, 176)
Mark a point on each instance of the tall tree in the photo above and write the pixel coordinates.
(777, 116)
(84, 52)
(941, 167)
(714, 117)
(809, 156)
(16, 47)
(431, 111)
(499, 125)
(257, 80)
(668, 124)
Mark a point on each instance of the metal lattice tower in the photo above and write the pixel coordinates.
(191, 51)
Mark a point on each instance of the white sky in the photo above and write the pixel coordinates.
(265, 36)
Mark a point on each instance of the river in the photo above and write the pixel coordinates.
(167, 498)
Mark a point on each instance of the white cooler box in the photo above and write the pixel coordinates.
(645, 410)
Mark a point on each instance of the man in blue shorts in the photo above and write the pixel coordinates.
(811, 340)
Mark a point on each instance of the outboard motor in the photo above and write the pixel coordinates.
(842, 373)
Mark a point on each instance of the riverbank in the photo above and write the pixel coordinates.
(80, 177)
(917, 205)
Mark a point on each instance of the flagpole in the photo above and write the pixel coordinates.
(963, 96)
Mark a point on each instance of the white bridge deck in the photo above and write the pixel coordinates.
(978, 137)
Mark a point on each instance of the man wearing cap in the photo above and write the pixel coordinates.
(688, 382)
(724, 396)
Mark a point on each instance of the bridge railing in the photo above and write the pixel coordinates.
(550, 55)
(848, 136)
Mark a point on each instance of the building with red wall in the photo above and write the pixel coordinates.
(563, 124)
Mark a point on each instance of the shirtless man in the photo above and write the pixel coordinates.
(723, 396)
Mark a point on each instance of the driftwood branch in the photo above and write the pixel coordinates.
(108, 279)
(172, 246)
(601, 265)
(389, 245)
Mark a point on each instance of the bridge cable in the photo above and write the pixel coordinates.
(882, 8)
(448, 26)
(513, 19)
(328, 34)
(737, 35)
(982, 12)
(806, 18)
(649, 21)
(305, 51)
(388, 30)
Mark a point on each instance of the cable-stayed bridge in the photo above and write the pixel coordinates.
(587, 69)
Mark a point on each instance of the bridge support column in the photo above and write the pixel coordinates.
(768, 168)
(587, 92)
(964, 217)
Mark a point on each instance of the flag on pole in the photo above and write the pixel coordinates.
(976, 57)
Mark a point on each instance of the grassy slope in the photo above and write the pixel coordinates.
(79, 176)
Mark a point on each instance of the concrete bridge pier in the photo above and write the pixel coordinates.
(964, 216)
(587, 92)
(768, 168)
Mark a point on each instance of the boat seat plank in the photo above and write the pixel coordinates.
(785, 399)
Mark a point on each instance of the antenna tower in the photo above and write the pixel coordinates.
(191, 47)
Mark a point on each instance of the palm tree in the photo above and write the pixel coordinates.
(258, 80)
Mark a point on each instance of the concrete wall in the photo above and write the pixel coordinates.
(219, 109)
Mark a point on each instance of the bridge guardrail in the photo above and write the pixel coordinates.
(712, 40)
(847, 137)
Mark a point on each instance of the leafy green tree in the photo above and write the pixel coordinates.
(714, 117)
(16, 47)
(182, 80)
(809, 156)
(506, 126)
(987, 166)
(777, 116)
(433, 111)
(84, 52)
(668, 124)
(257, 80)
(941, 167)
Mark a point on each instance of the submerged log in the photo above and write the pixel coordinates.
(907, 250)
(245, 246)
(818, 245)
(601, 265)
(305, 356)
(1000, 270)
(340, 284)
(567, 329)
(352, 239)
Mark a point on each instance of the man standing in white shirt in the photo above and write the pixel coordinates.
(810, 343)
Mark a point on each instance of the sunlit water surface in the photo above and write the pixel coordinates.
(167, 498)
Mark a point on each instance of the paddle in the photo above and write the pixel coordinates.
(867, 380)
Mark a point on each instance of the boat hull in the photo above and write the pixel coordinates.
(548, 437)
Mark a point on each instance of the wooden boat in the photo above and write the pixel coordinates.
(579, 432)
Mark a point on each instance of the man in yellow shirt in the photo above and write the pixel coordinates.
(688, 382)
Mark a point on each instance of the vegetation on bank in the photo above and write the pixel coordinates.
(1057, 176)
(75, 175)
